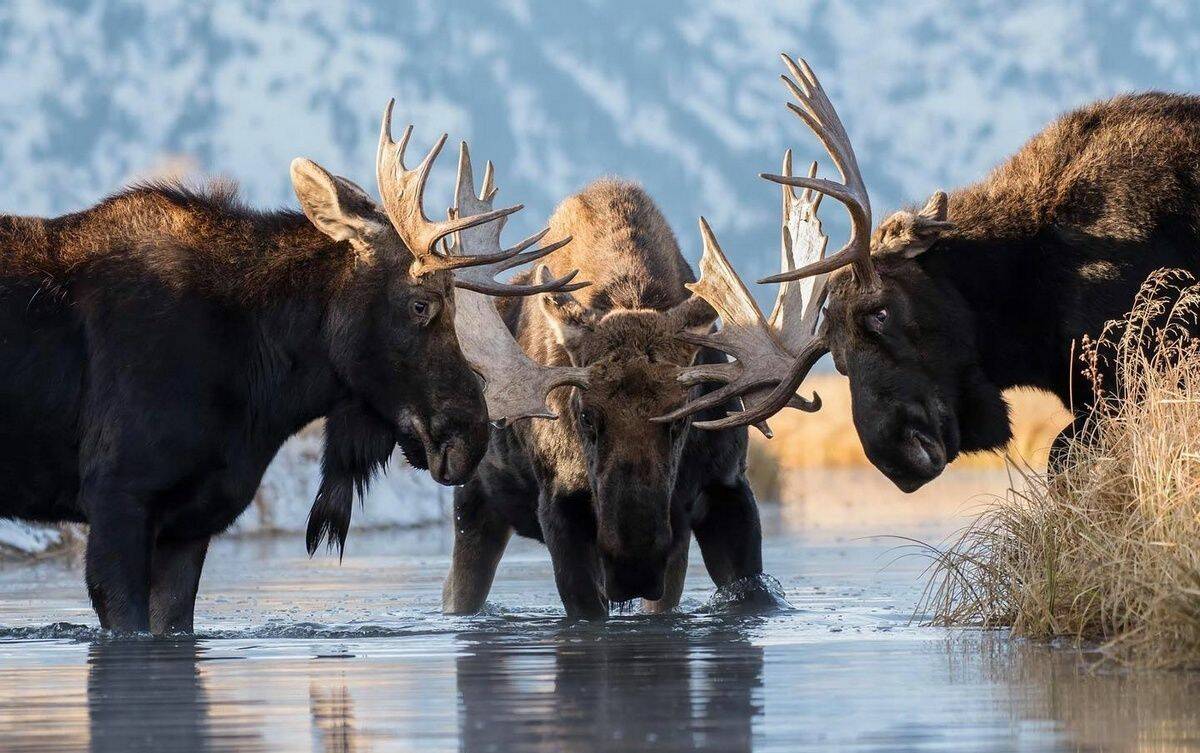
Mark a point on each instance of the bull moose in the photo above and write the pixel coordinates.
(940, 309)
(159, 347)
(614, 497)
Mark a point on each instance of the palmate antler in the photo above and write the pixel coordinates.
(515, 386)
(765, 376)
(818, 113)
(763, 349)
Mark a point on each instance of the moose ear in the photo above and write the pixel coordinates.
(567, 317)
(912, 233)
(339, 208)
(693, 315)
(936, 208)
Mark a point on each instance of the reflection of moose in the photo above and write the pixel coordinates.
(636, 689)
(332, 711)
(146, 695)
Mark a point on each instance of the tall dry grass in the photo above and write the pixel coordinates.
(1107, 547)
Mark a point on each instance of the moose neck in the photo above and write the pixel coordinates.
(1017, 300)
(294, 375)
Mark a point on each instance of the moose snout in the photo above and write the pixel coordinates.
(454, 445)
(913, 445)
(625, 580)
(925, 456)
(634, 536)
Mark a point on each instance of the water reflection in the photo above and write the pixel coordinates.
(1095, 707)
(146, 694)
(657, 688)
(335, 728)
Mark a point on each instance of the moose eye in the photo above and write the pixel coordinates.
(586, 422)
(877, 318)
(423, 311)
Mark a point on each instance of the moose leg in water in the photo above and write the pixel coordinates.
(569, 530)
(480, 538)
(174, 580)
(672, 583)
(728, 531)
(117, 564)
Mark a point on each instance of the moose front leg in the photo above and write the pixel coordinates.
(729, 533)
(118, 558)
(676, 574)
(479, 542)
(569, 531)
(174, 579)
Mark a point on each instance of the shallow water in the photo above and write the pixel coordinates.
(295, 654)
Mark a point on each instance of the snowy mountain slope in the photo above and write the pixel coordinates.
(682, 97)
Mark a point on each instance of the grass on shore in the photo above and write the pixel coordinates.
(1106, 549)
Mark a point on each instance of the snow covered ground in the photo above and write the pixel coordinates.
(404, 497)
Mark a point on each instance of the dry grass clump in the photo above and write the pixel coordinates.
(1107, 547)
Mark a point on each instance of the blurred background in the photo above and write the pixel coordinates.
(683, 97)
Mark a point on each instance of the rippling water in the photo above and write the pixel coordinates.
(295, 654)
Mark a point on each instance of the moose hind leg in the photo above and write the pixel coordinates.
(729, 532)
(479, 542)
(174, 579)
(117, 563)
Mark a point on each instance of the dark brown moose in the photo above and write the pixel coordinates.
(989, 287)
(158, 348)
(614, 496)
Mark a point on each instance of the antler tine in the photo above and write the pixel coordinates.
(760, 356)
(402, 191)
(783, 396)
(819, 115)
(515, 386)
(792, 339)
(800, 234)
(479, 251)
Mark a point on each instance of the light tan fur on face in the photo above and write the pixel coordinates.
(623, 327)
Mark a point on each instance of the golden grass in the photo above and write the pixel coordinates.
(827, 439)
(1107, 548)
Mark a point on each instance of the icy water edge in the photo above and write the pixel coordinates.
(295, 654)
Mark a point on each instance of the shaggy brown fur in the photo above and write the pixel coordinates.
(200, 240)
(158, 349)
(614, 496)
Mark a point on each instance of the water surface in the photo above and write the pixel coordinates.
(295, 654)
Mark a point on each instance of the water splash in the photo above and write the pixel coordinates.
(754, 594)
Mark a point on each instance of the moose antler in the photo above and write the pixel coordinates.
(793, 324)
(515, 386)
(403, 192)
(763, 349)
(818, 113)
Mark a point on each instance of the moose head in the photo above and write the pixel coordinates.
(391, 327)
(631, 356)
(918, 392)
